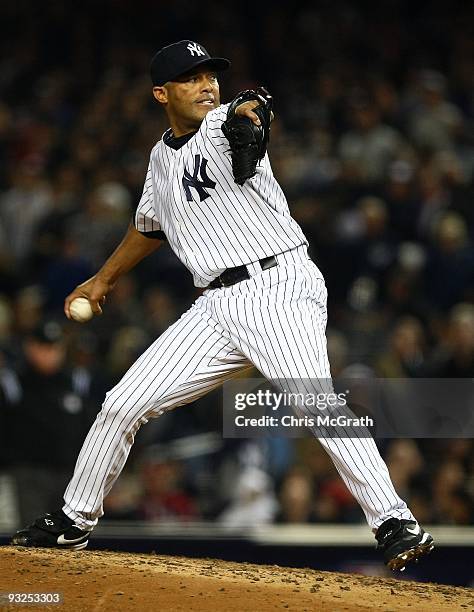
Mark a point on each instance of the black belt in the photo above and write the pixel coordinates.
(235, 275)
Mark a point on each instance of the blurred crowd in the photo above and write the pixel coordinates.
(373, 144)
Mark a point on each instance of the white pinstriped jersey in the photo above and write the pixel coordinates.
(210, 222)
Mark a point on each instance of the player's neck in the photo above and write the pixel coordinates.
(180, 128)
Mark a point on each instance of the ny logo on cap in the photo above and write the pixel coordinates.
(194, 48)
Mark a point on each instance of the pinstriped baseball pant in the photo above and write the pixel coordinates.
(276, 320)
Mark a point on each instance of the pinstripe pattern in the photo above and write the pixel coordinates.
(275, 320)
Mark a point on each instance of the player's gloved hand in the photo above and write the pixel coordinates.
(247, 128)
(95, 289)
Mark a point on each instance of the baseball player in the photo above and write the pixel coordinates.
(210, 192)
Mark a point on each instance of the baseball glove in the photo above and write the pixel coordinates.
(248, 142)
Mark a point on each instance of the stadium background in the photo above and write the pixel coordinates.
(374, 147)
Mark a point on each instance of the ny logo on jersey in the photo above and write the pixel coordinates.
(194, 48)
(198, 179)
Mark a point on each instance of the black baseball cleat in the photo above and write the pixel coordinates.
(53, 530)
(402, 541)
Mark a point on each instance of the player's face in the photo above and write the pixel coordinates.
(188, 100)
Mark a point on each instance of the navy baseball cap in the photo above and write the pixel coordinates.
(181, 57)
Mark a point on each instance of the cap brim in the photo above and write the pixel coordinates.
(218, 63)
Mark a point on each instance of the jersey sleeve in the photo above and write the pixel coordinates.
(145, 219)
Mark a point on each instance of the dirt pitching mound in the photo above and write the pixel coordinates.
(101, 580)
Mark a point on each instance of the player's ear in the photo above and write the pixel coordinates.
(160, 94)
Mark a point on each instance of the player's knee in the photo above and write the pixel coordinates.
(119, 406)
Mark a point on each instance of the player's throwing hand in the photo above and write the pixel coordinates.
(95, 289)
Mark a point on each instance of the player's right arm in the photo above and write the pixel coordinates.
(134, 247)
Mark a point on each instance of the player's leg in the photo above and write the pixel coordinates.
(191, 358)
(278, 320)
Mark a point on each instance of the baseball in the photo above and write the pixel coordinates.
(81, 310)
